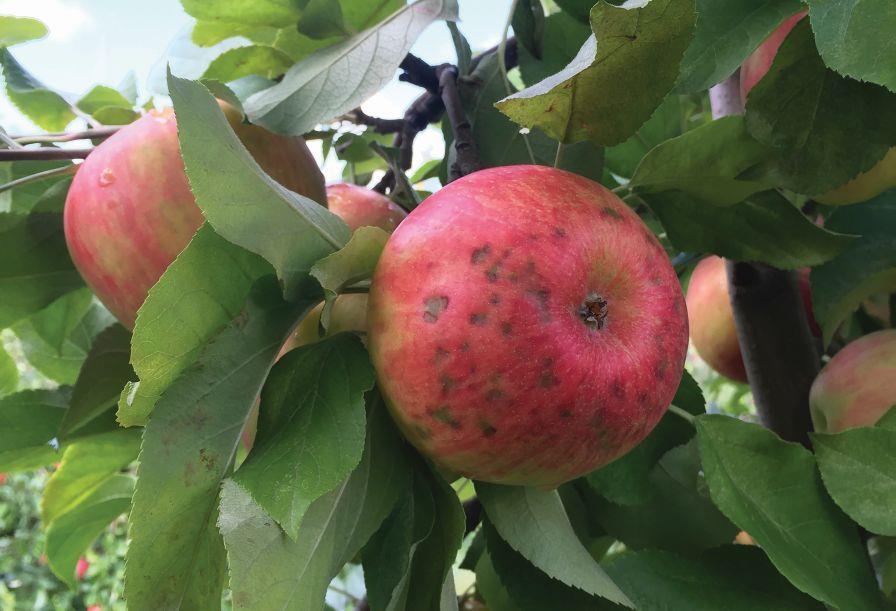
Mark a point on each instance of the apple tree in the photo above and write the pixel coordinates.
(467, 383)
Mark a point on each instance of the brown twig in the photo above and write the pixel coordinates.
(87, 134)
(380, 126)
(467, 158)
(43, 154)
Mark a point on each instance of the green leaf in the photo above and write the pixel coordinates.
(15, 30)
(176, 556)
(105, 372)
(772, 489)
(35, 268)
(855, 38)
(816, 119)
(279, 13)
(24, 198)
(677, 514)
(57, 339)
(200, 292)
(534, 523)
(28, 421)
(322, 19)
(69, 536)
(625, 481)
(665, 123)
(865, 267)
(461, 48)
(86, 464)
(727, 32)
(310, 427)
(858, 467)
(9, 373)
(362, 65)
(242, 203)
(734, 577)
(766, 227)
(499, 140)
(407, 563)
(353, 262)
(243, 61)
(46, 108)
(269, 570)
(101, 96)
(619, 77)
(563, 37)
(706, 163)
(528, 26)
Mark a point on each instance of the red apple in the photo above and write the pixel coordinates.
(526, 326)
(130, 211)
(711, 318)
(863, 187)
(858, 386)
(360, 207)
(81, 568)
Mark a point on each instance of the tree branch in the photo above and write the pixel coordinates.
(87, 134)
(467, 159)
(43, 154)
(775, 341)
(380, 126)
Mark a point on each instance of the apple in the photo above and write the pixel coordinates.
(359, 207)
(711, 318)
(863, 187)
(526, 326)
(857, 386)
(81, 568)
(130, 211)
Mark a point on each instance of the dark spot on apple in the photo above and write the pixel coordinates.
(441, 354)
(643, 398)
(610, 213)
(506, 329)
(478, 319)
(566, 413)
(661, 367)
(494, 394)
(656, 280)
(533, 237)
(529, 270)
(676, 305)
(422, 431)
(465, 347)
(481, 254)
(433, 307)
(494, 299)
(447, 383)
(547, 379)
(487, 428)
(617, 389)
(540, 297)
(506, 254)
(443, 414)
(491, 274)
(559, 232)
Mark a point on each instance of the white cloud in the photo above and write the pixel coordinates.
(64, 18)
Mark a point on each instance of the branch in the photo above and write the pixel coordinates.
(43, 154)
(380, 126)
(775, 341)
(87, 134)
(467, 159)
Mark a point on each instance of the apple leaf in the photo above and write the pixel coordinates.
(619, 77)
(104, 373)
(856, 38)
(499, 140)
(278, 13)
(24, 198)
(46, 108)
(733, 577)
(103, 97)
(242, 203)
(677, 515)
(528, 26)
(563, 36)
(15, 30)
(269, 570)
(771, 489)
(625, 481)
(865, 267)
(706, 163)
(337, 78)
(534, 523)
(410, 568)
(353, 262)
(858, 467)
(176, 557)
(243, 61)
(36, 268)
(310, 427)
(766, 227)
(85, 465)
(816, 120)
(200, 292)
(28, 421)
(726, 33)
(322, 19)
(9, 373)
(69, 536)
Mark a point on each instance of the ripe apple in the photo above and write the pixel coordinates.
(711, 318)
(81, 568)
(360, 207)
(857, 386)
(526, 326)
(863, 187)
(130, 211)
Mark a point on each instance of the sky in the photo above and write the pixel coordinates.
(99, 41)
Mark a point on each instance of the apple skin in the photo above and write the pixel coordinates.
(361, 207)
(485, 324)
(857, 386)
(130, 211)
(711, 318)
(863, 187)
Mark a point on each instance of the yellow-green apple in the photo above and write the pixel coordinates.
(857, 386)
(359, 207)
(526, 326)
(130, 211)
(711, 318)
(863, 187)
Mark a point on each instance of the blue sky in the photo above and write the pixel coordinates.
(99, 41)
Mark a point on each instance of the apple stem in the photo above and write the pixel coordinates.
(689, 417)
